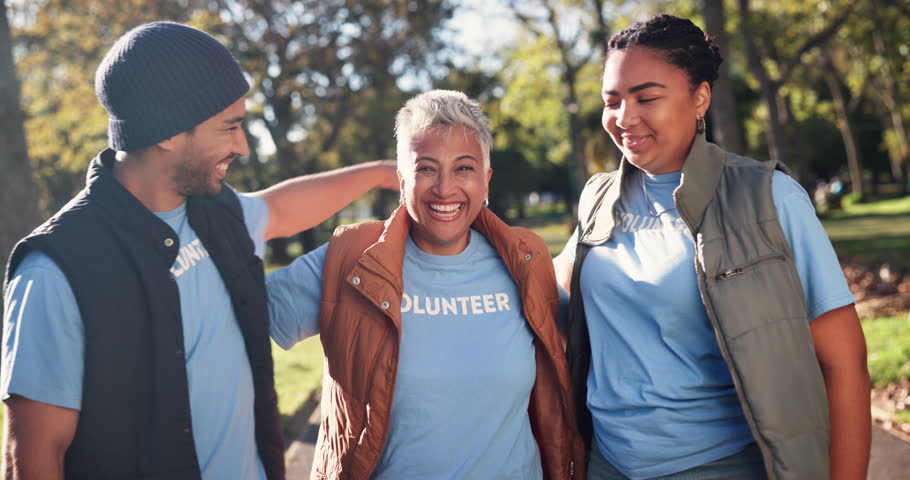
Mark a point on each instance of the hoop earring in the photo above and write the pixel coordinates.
(486, 202)
(700, 126)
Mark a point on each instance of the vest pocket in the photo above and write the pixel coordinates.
(744, 268)
(756, 293)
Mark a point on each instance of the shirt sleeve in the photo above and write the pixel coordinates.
(295, 294)
(256, 217)
(43, 338)
(819, 270)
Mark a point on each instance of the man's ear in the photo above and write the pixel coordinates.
(174, 143)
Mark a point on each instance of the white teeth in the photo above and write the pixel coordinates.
(446, 210)
(222, 166)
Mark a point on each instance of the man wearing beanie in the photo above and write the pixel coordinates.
(136, 341)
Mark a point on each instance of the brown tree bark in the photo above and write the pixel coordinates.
(19, 195)
(779, 119)
(854, 159)
(766, 84)
(570, 66)
(724, 122)
(888, 98)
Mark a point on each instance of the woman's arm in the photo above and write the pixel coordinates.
(563, 264)
(840, 347)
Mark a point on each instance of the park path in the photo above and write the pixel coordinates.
(301, 439)
(890, 458)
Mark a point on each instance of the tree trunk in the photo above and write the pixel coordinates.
(19, 195)
(889, 100)
(724, 121)
(278, 128)
(854, 160)
(578, 168)
(797, 151)
(776, 148)
(778, 145)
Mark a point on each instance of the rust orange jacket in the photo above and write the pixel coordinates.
(360, 329)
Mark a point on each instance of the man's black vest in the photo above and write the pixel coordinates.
(134, 420)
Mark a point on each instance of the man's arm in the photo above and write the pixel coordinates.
(43, 348)
(841, 350)
(304, 202)
(36, 438)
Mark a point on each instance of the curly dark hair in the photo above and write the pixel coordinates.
(679, 40)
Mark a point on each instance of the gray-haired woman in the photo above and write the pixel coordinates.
(442, 358)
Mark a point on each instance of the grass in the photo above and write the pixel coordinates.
(555, 234)
(873, 238)
(874, 232)
(903, 416)
(888, 344)
(891, 206)
(298, 372)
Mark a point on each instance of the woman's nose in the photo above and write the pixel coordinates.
(445, 184)
(626, 116)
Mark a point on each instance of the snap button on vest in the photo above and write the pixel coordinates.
(168, 242)
(355, 280)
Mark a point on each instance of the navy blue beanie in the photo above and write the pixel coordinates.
(164, 78)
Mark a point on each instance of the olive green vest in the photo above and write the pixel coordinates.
(751, 292)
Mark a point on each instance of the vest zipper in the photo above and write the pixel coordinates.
(701, 277)
(740, 270)
(572, 469)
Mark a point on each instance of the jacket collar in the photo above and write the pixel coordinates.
(126, 212)
(386, 256)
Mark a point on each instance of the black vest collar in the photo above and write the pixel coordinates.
(127, 213)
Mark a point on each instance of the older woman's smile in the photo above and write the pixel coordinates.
(446, 211)
(445, 188)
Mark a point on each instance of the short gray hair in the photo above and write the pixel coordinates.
(441, 108)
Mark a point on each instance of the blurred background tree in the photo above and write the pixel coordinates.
(19, 197)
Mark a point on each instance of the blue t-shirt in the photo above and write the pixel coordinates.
(466, 363)
(660, 393)
(44, 342)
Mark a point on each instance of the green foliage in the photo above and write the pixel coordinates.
(532, 104)
(888, 344)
